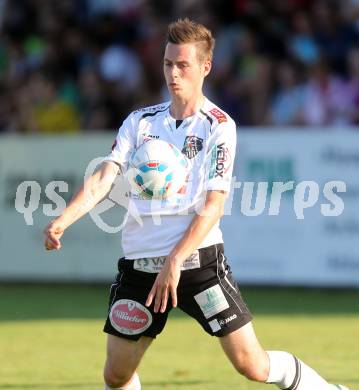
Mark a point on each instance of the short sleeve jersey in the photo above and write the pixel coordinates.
(208, 140)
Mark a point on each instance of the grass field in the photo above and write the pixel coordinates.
(51, 339)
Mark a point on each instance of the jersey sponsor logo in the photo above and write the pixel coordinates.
(154, 265)
(220, 161)
(157, 107)
(149, 137)
(192, 145)
(219, 115)
(211, 301)
(130, 317)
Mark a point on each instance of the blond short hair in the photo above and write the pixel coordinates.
(188, 31)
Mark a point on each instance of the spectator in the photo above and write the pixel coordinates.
(120, 65)
(353, 85)
(6, 114)
(252, 79)
(325, 98)
(302, 44)
(95, 113)
(287, 105)
(41, 110)
(333, 34)
(108, 46)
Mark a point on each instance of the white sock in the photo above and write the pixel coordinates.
(288, 372)
(282, 369)
(135, 384)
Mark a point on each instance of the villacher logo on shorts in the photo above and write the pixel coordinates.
(129, 317)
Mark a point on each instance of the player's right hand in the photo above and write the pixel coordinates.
(53, 232)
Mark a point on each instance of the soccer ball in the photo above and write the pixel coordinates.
(157, 170)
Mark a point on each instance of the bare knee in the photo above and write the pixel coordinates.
(255, 373)
(116, 378)
(246, 354)
(256, 369)
(123, 357)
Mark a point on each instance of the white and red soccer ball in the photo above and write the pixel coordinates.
(157, 170)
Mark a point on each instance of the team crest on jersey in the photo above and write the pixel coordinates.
(192, 145)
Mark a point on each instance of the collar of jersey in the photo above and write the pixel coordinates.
(189, 118)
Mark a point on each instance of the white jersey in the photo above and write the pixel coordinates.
(208, 140)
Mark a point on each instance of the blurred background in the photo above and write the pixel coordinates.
(77, 66)
(286, 70)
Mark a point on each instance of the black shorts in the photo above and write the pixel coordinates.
(209, 294)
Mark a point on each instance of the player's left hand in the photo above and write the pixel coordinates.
(165, 284)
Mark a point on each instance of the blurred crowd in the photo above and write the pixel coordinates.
(69, 66)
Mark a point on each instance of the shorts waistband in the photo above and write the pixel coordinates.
(206, 256)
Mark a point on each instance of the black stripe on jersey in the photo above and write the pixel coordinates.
(297, 377)
(210, 120)
(153, 113)
(178, 123)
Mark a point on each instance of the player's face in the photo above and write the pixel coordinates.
(184, 72)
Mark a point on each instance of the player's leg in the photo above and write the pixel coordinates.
(211, 296)
(274, 367)
(130, 326)
(246, 354)
(123, 358)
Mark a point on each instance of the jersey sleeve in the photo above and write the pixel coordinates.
(124, 144)
(220, 157)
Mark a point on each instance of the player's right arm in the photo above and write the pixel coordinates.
(94, 189)
(97, 186)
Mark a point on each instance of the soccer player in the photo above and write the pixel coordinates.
(195, 275)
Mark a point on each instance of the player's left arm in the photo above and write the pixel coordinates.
(200, 226)
(167, 280)
(219, 167)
